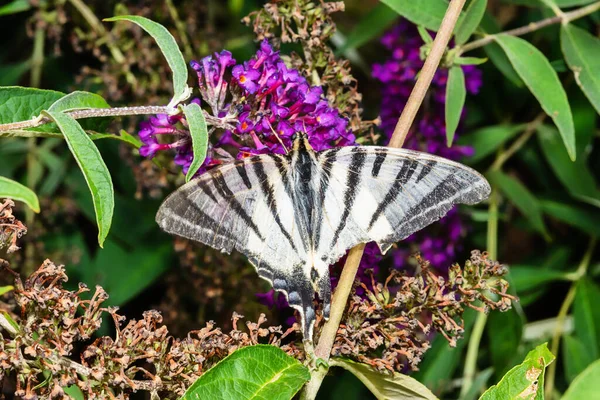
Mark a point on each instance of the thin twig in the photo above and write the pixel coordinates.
(519, 143)
(340, 298)
(562, 315)
(111, 112)
(534, 26)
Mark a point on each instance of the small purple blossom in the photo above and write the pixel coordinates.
(438, 243)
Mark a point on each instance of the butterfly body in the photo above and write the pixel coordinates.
(294, 215)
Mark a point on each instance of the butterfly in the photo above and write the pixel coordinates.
(294, 215)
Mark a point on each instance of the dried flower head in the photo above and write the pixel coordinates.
(11, 228)
(390, 326)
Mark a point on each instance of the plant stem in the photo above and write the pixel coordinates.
(405, 121)
(562, 315)
(426, 74)
(110, 112)
(478, 328)
(520, 142)
(532, 27)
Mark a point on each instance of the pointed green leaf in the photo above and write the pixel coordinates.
(574, 175)
(575, 216)
(456, 93)
(15, 6)
(6, 289)
(582, 52)
(428, 13)
(254, 372)
(168, 46)
(78, 100)
(587, 316)
(199, 133)
(585, 386)
(524, 278)
(14, 190)
(522, 198)
(473, 15)
(487, 140)
(501, 61)
(369, 27)
(575, 357)
(93, 168)
(385, 385)
(508, 326)
(526, 380)
(541, 79)
(469, 61)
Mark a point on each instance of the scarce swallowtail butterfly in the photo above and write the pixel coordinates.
(294, 215)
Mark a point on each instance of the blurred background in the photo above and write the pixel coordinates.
(547, 207)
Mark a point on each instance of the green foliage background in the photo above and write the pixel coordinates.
(542, 221)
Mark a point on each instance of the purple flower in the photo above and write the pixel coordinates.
(397, 73)
(263, 100)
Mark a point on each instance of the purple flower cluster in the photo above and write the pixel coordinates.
(438, 243)
(260, 104)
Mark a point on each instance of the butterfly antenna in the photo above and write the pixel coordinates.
(278, 138)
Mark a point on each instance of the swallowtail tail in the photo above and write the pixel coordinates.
(294, 215)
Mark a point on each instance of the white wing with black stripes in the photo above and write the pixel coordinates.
(293, 215)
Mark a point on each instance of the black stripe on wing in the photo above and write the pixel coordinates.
(225, 192)
(268, 191)
(352, 185)
(404, 174)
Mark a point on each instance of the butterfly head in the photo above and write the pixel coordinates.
(301, 142)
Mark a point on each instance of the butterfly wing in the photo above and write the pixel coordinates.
(247, 206)
(384, 194)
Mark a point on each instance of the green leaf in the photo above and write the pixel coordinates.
(470, 22)
(479, 383)
(469, 61)
(526, 380)
(254, 372)
(456, 93)
(10, 74)
(22, 104)
(575, 357)
(15, 6)
(199, 133)
(526, 278)
(385, 385)
(93, 168)
(10, 320)
(587, 316)
(487, 140)
(585, 386)
(425, 35)
(501, 61)
(571, 3)
(428, 13)
(504, 330)
(522, 198)
(537, 73)
(369, 27)
(574, 175)
(578, 217)
(78, 100)
(123, 136)
(582, 52)
(168, 46)
(5, 289)
(124, 271)
(14, 190)
(74, 392)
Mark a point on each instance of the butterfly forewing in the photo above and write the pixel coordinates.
(294, 215)
(398, 193)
